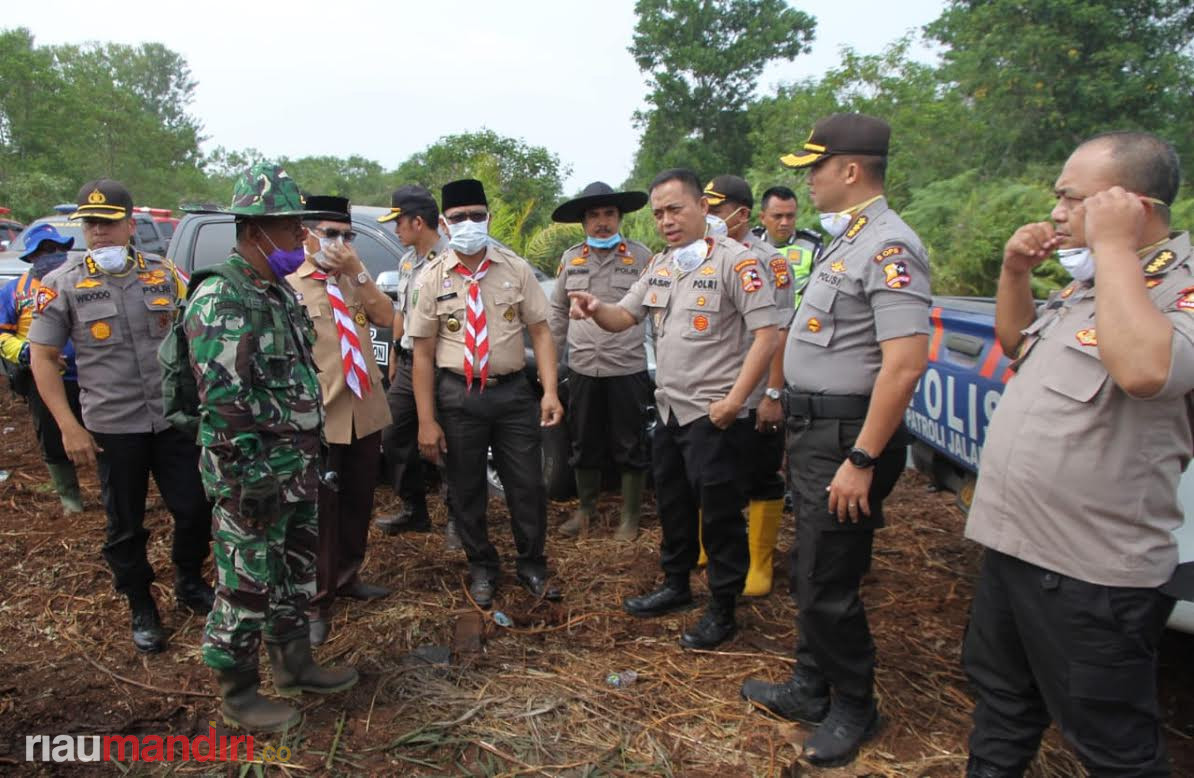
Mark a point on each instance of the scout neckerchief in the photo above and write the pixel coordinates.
(476, 334)
(356, 373)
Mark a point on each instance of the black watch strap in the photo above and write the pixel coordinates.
(860, 458)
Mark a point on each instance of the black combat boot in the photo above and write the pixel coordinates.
(981, 768)
(148, 636)
(716, 626)
(804, 697)
(838, 738)
(192, 592)
(243, 707)
(296, 671)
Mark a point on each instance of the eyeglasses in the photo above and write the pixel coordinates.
(473, 216)
(331, 234)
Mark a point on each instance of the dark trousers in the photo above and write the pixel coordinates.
(700, 471)
(504, 418)
(401, 439)
(607, 421)
(834, 637)
(124, 468)
(344, 515)
(45, 428)
(1043, 646)
(766, 459)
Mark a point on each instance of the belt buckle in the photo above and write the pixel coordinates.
(491, 381)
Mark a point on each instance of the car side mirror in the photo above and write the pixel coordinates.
(387, 281)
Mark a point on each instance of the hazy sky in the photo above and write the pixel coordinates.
(385, 80)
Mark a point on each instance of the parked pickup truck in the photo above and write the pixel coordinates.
(956, 397)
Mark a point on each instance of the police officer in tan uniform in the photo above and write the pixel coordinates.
(857, 347)
(117, 304)
(731, 200)
(713, 317)
(609, 388)
(1076, 500)
(471, 307)
(416, 222)
(342, 300)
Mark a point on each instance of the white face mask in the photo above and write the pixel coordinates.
(836, 223)
(1079, 263)
(111, 258)
(687, 258)
(319, 258)
(468, 237)
(715, 226)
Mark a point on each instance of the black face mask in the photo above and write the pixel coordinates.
(44, 263)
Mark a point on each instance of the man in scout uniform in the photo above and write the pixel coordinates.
(856, 349)
(1076, 502)
(416, 222)
(116, 305)
(609, 388)
(260, 422)
(471, 306)
(342, 299)
(45, 250)
(713, 317)
(730, 200)
(798, 246)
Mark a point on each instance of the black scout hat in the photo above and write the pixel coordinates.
(595, 195)
(732, 188)
(466, 191)
(406, 197)
(842, 133)
(335, 209)
(103, 199)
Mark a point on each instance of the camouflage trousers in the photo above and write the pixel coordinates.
(264, 580)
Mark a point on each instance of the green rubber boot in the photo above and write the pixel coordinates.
(66, 484)
(244, 708)
(588, 488)
(633, 482)
(296, 671)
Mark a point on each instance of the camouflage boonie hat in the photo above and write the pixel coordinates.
(264, 190)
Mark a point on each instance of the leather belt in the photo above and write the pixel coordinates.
(492, 380)
(825, 406)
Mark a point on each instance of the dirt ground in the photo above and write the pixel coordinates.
(534, 700)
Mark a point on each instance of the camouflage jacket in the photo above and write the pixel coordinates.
(260, 410)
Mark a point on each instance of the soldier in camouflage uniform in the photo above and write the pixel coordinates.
(260, 422)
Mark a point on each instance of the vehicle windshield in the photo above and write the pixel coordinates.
(67, 229)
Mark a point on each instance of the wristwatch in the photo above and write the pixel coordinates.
(771, 392)
(860, 458)
(362, 278)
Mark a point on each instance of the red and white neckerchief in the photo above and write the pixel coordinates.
(476, 334)
(356, 372)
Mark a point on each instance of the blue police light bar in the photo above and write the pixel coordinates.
(66, 208)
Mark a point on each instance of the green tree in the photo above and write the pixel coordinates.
(703, 59)
(1043, 75)
(362, 181)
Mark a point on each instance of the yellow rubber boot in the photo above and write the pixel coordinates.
(763, 518)
(703, 559)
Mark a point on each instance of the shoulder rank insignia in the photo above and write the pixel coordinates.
(1069, 290)
(856, 227)
(88, 283)
(1160, 262)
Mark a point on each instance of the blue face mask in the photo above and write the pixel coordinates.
(45, 263)
(283, 263)
(604, 243)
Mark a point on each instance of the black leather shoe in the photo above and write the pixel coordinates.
(804, 697)
(408, 519)
(981, 768)
(715, 627)
(540, 587)
(481, 590)
(842, 733)
(319, 629)
(671, 596)
(193, 593)
(359, 590)
(148, 636)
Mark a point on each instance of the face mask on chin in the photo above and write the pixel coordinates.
(282, 263)
(687, 258)
(111, 259)
(604, 244)
(1079, 263)
(835, 224)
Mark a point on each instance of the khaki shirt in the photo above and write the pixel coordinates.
(607, 275)
(117, 323)
(702, 323)
(869, 285)
(1077, 476)
(344, 413)
(512, 298)
(409, 268)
